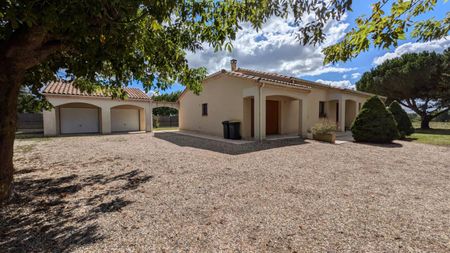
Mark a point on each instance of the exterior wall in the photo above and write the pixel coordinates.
(312, 107)
(224, 96)
(230, 98)
(52, 122)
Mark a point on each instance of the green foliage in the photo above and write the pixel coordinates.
(168, 97)
(419, 81)
(29, 102)
(374, 123)
(108, 44)
(324, 127)
(404, 124)
(155, 122)
(386, 26)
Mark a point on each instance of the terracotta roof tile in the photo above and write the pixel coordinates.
(66, 88)
(295, 81)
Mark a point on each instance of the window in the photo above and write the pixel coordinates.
(322, 110)
(205, 109)
(359, 106)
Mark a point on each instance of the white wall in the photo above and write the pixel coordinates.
(51, 120)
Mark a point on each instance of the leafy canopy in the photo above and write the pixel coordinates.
(108, 43)
(419, 81)
(388, 23)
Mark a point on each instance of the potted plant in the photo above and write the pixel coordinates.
(325, 130)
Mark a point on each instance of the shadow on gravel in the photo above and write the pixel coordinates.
(47, 215)
(224, 147)
(382, 145)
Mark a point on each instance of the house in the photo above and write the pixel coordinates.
(78, 112)
(266, 104)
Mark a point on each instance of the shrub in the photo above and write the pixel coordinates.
(404, 125)
(374, 123)
(155, 121)
(324, 127)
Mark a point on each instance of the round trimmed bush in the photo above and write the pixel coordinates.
(404, 125)
(374, 123)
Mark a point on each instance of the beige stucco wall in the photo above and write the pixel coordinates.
(51, 117)
(224, 96)
(229, 98)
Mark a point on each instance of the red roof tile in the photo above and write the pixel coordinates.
(66, 88)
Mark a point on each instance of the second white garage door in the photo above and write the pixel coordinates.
(124, 120)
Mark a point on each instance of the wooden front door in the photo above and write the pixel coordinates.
(272, 117)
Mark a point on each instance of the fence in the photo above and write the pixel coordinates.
(30, 121)
(167, 121)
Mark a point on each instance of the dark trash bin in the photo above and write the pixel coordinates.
(234, 130)
(226, 129)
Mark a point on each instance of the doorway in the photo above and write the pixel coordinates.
(272, 117)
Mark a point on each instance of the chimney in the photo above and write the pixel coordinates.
(233, 64)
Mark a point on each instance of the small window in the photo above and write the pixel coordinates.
(322, 110)
(205, 109)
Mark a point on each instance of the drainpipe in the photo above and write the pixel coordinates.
(261, 86)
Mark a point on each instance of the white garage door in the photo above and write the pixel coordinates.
(79, 120)
(123, 120)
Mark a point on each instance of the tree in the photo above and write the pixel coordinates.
(169, 97)
(386, 25)
(29, 102)
(107, 44)
(418, 81)
(404, 125)
(374, 123)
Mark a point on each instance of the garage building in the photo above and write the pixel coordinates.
(76, 112)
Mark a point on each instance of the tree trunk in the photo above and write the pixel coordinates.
(425, 123)
(9, 91)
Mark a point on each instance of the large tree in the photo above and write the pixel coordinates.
(105, 44)
(418, 81)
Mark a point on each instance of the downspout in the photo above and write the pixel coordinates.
(261, 86)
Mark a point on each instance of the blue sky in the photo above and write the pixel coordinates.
(275, 49)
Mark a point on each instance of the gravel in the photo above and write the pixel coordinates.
(170, 192)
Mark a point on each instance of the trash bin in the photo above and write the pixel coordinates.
(234, 130)
(226, 129)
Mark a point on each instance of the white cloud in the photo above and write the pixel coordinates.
(274, 48)
(341, 84)
(434, 45)
(345, 76)
(356, 75)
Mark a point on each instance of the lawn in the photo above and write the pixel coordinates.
(439, 134)
(167, 192)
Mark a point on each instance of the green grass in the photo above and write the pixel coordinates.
(439, 134)
(164, 128)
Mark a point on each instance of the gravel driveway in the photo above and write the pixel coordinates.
(171, 192)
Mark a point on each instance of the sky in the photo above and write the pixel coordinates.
(275, 49)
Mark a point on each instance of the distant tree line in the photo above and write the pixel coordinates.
(168, 97)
